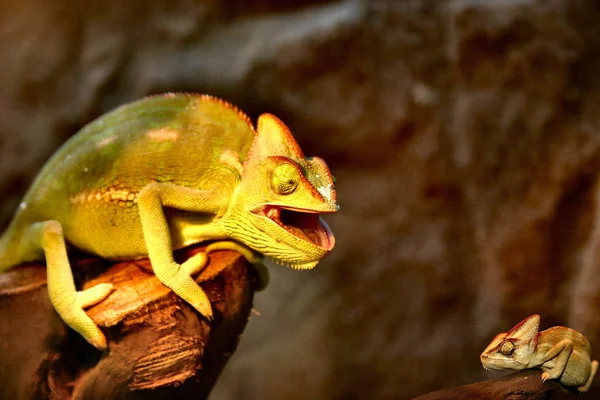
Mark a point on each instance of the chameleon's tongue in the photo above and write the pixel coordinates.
(307, 226)
(313, 236)
(318, 234)
(309, 234)
(298, 232)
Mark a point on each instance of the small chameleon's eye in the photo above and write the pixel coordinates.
(507, 348)
(285, 178)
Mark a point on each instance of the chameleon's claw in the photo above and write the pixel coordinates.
(203, 307)
(544, 377)
(210, 317)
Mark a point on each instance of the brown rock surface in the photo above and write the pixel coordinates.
(463, 135)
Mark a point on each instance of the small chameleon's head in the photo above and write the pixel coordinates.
(276, 208)
(513, 349)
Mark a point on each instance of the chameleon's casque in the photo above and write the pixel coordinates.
(163, 173)
(560, 352)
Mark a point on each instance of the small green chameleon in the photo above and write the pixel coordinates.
(163, 173)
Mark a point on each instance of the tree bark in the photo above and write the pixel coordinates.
(159, 347)
(524, 385)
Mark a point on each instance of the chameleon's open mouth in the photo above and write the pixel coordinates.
(304, 224)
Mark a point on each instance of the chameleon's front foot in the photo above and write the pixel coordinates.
(178, 278)
(553, 373)
(545, 377)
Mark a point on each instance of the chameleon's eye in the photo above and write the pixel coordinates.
(285, 178)
(507, 348)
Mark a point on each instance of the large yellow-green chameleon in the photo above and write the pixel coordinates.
(166, 172)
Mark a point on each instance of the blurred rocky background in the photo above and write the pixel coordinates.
(464, 135)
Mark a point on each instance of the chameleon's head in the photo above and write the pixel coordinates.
(513, 349)
(275, 210)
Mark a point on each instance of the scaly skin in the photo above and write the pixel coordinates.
(561, 353)
(163, 173)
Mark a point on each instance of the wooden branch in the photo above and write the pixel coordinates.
(524, 385)
(159, 347)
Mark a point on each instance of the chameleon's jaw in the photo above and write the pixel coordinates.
(491, 363)
(290, 236)
(489, 366)
(306, 225)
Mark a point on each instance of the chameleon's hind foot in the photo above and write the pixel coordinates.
(79, 321)
(67, 301)
(587, 385)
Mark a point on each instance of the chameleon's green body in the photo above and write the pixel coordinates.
(97, 175)
(162, 173)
